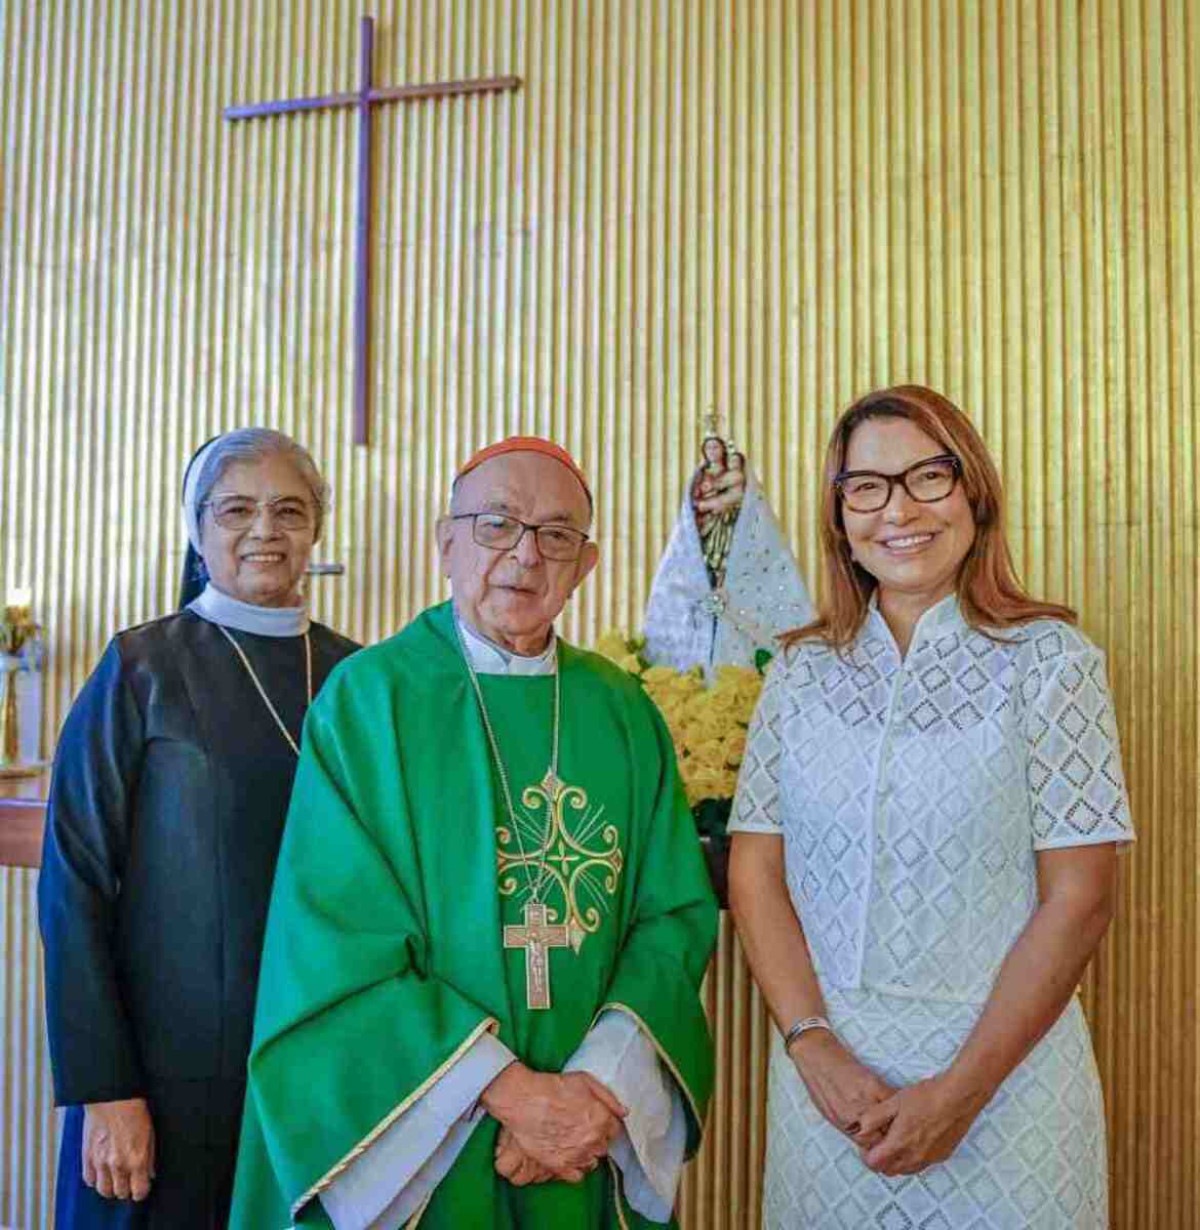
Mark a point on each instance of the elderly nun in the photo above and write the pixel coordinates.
(167, 804)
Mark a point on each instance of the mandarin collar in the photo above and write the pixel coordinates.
(945, 613)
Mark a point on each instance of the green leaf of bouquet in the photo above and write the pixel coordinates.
(712, 816)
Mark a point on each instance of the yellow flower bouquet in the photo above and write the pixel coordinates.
(707, 720)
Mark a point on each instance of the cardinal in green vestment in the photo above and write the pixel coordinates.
(479, 997)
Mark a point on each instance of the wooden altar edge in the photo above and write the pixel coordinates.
(22, 821)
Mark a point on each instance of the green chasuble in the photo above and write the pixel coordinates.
(385, 956)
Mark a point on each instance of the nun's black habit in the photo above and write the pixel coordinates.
(168, 797)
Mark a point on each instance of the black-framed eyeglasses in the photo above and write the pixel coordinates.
(926, 482)
(499, 532)
(238, 512)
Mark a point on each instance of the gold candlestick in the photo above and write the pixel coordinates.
(10, 745)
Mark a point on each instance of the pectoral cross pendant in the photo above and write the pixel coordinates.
(537, 937)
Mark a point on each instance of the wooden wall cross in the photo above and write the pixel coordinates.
(364, 98)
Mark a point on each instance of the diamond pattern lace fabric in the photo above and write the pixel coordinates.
(912, 796)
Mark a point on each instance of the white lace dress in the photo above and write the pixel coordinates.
(911, 796)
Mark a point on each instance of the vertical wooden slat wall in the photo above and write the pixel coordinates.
(765, 207)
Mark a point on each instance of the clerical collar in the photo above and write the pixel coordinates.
(489, 659)
(219, 608)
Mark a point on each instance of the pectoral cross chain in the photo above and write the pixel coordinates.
(537, 937)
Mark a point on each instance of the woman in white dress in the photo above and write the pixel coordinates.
(925, 857)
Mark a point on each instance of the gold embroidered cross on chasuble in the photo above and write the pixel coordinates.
(569, 880)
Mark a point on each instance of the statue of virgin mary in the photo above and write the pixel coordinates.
(728, 583)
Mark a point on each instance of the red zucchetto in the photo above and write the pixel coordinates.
(526, 444)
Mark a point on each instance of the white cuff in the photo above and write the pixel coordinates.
(650, 1147)
(384, 1187)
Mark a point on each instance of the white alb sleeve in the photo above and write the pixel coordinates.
(396, 1174)
(650, 1147)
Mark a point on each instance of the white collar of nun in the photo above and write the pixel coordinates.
(219, 608)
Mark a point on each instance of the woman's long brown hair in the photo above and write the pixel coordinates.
(989, 593)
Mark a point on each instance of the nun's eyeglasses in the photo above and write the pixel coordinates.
(239, 512)
(926, 482)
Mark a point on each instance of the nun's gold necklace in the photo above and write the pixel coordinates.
(287, 734)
